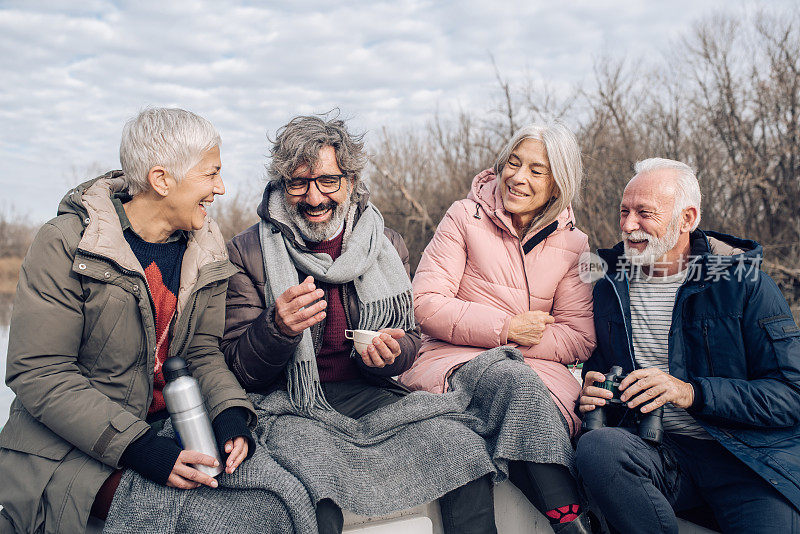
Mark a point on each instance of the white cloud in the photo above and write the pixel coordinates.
(72, 74)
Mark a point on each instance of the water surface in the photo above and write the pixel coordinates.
(6, 395)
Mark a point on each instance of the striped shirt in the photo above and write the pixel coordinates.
(652, 301)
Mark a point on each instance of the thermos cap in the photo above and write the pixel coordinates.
(174, 367)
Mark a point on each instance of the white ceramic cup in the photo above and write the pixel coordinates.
(361, 339)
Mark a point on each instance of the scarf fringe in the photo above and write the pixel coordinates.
(390, 312)
(368, 260)
(305, 392)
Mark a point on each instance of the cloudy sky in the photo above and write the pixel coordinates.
(73, 72)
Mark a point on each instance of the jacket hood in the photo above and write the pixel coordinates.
(486, 193)
(72, 202)
(707, 248)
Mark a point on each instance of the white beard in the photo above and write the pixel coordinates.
(318, 232)
(656, 247)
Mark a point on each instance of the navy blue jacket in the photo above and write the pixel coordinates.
(734, 339)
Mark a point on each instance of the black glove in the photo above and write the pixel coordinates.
(230, 424)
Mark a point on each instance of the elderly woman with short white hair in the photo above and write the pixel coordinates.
(130, 272)
(503, 269)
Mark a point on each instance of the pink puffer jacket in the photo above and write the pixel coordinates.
(474, 277)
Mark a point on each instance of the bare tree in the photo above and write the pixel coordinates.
(416, 175)
(16, 233)
(726, 100)
(234, 213)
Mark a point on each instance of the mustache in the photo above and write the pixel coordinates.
(304, 207)
(638, 235)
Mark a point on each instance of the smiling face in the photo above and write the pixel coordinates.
(188, 199)
(317, 214)
(526, 183)
(652, 234)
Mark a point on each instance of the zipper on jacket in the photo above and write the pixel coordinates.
(177, 318)
(345, 303)
(316, 334)
(624, 320)
(708, 350)
(141, 356)
(189, 322)
(524, 274)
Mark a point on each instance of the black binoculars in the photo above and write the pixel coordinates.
(648, 424)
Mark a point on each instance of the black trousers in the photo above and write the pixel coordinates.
(465, 510)
(546, 486)
(639, 487)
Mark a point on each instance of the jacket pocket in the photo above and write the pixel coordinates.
(707, 344)
(102, 328)
(713, 347)
(23, 433)
(780, 327)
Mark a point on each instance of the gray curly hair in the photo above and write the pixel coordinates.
(300, 140)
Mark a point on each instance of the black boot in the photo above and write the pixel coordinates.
(579, 525)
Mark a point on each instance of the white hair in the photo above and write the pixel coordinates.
(565, 164)
(687, 189)
(170, 137)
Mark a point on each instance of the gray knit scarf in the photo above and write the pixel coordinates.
(368, 259)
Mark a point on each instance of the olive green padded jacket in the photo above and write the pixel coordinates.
(81, 355)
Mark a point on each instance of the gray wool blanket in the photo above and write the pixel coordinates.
(397, 457)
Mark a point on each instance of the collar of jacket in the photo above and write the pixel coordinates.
(486, 193)
(362, 199)
(205, 260)
(705, 248)
(540, 236)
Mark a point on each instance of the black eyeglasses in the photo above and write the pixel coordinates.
(326, 184)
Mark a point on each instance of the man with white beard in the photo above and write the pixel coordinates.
(700, 330)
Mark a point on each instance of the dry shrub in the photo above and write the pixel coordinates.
(16, 233)
(235, 213)
(726, 100)
(9, 274)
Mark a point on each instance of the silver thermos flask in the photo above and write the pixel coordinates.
(188, 413)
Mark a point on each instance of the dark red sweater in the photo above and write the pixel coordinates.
(333, 361)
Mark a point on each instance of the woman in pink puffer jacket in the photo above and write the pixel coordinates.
(503, 269)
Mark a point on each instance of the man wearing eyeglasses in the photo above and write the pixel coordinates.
(319, 262)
